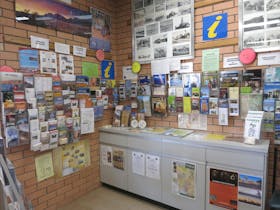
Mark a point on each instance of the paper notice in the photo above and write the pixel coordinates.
(106, 155)
(138, 163)
(153, 166)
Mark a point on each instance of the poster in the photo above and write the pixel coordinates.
(118, 158)
(215, 27)
(106, 155)
(101, 30)
(211, 60)
(250, 189)
(223, 188)
(44, 166)
(87, 120)
(194, 121)
(28, 60)
(153, 166)
(66, 64)
(90, 69)
(48, 62)
(184, 179)
(138, 163)
(107, 69)
(259, 25)
(71, 158)
(162, 30)
(54, 15)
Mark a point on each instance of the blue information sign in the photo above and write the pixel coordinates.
(215, 27)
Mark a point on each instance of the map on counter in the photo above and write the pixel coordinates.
(155, 130)
(178, 132)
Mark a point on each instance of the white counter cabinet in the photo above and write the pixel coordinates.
(193, 172)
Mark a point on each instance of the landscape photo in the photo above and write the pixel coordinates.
(54, 15)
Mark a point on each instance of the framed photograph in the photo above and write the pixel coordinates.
(259, 25)
(162, 29)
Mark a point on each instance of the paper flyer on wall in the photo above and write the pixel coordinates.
(39, 42)
(118, 158)
(62, 48)
(153, 166)
(42, 84)
(223, 116)
(66, 64)
(79, 51)
(223, 188)
(138, 163)
(184, 179)
(182, 120)
(87, 120)
(48, 62)
(28, 60)
(250, 189)
(44, 166)
(106, 155)
(196, 121)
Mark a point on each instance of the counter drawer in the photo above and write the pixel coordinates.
(114, 139)
(248, 160)
(183, 151)
(150, 144)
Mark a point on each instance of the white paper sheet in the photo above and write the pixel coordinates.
(231, 62)
(66, 64)
(138, 163)
(153, 166)
(42, 84)
(160, 67)
(223, 116)
(87, 120)
(79, 51)
(106, 155)
(268, 58)
(48, 62)
(182, 120)
(39, 43)
(128, 74)
(175, 65)
(62, 48)
(186, 67)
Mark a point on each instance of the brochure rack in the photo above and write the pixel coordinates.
(17, 200)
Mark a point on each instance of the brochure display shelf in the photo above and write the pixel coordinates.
(15, 196)
(197, 158)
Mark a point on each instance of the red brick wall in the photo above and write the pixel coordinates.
(53, 192)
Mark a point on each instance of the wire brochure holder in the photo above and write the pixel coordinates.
(11, 195)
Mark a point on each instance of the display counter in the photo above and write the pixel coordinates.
(190, 172)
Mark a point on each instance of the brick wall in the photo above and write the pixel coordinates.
(53, 192)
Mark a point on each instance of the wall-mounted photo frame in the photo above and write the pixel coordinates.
(162, 29)
(54, 15)
(259, 25)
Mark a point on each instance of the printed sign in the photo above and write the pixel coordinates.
(107, 69)
(215, 27)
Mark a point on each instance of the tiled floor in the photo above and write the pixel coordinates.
(107, 198)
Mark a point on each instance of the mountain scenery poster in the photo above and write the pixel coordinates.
(54, 15)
